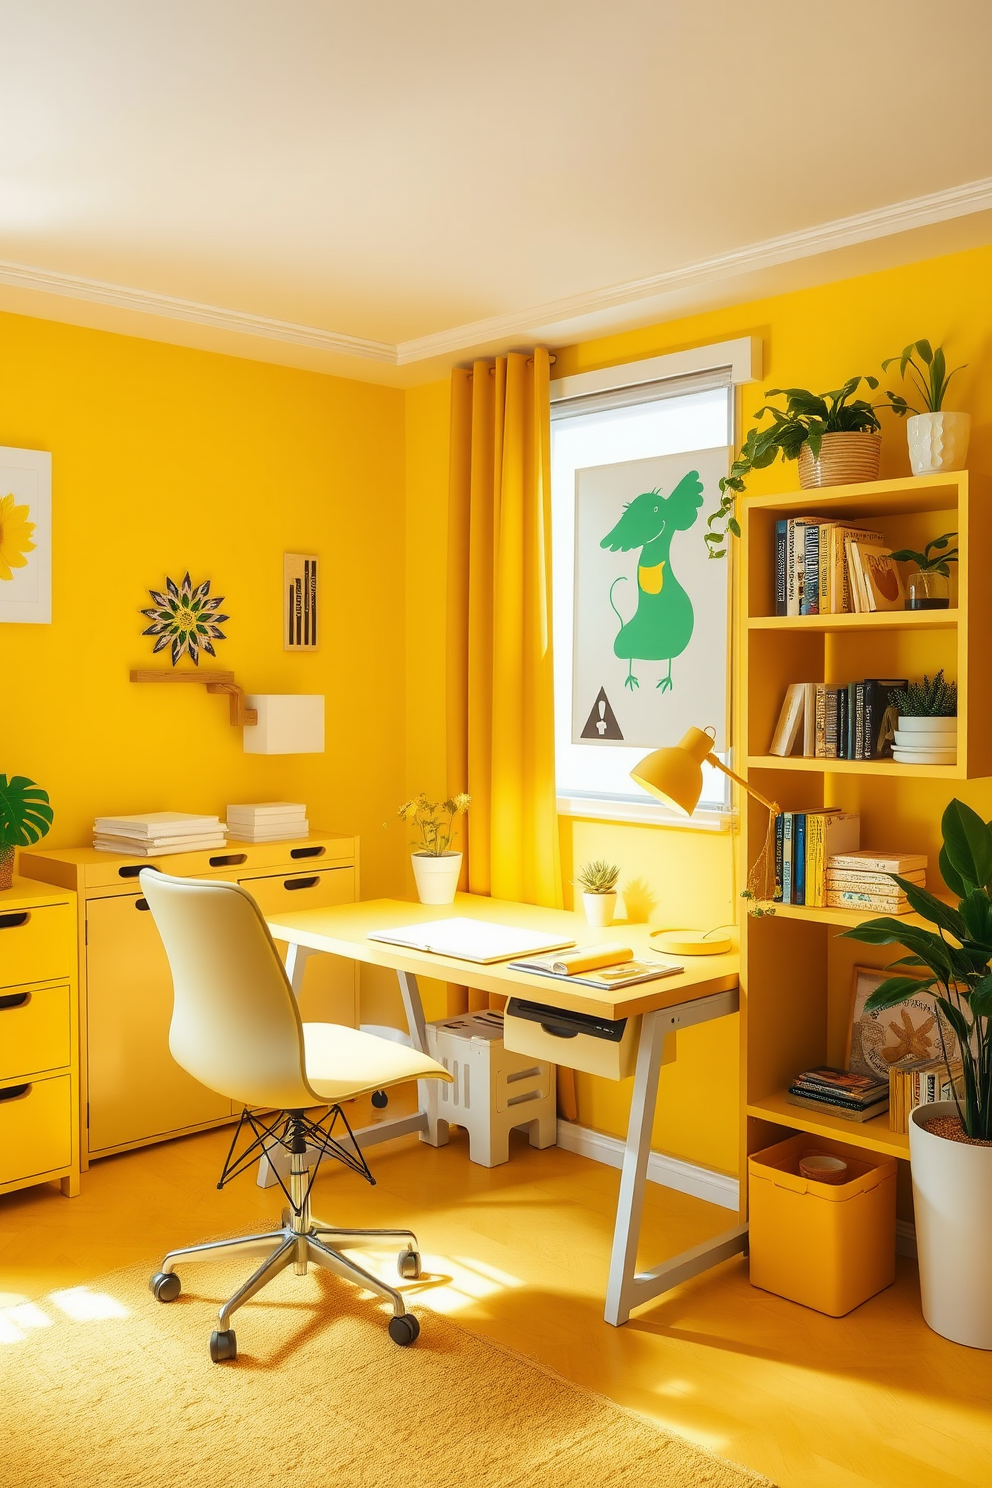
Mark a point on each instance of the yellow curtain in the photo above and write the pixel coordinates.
(500, 679)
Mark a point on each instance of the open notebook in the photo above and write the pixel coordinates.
(466, 939)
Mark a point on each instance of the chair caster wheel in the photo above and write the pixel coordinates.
(408, 1264)
(404, 1330)
(380, 1099)
(223, 1345)
(165, 1286)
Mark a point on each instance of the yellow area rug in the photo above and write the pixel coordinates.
(103, 1387)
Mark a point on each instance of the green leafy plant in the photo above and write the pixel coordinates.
(433, 821)
(804, 420)
(933, 559)
(931, 378)
(957, 955)
(25, 814)
(932, 698)
(598, 877)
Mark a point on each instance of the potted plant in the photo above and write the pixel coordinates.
(25, 817)
(435, 866)
(930, 587)
(938, 441)
(927, 722)
(598, 882)
(834, 436)
(950, 1142)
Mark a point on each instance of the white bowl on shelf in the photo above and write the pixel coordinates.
(934, 739)
(925, 756)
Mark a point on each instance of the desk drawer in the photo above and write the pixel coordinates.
(34, 1030)
(317, 889)
(37, 945)
(572, 1039)
(35, 1128)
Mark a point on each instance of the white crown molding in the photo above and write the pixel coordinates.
(843, 232)
(23, 276)
(826, 237)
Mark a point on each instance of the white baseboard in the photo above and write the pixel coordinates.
(671, 1172)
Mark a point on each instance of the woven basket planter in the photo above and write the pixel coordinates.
(845, 459)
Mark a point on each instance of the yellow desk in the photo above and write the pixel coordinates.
(707, 988)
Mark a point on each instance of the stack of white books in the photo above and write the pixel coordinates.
(157, 834)
(268, 821)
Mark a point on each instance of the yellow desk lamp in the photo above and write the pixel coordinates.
(675, 776)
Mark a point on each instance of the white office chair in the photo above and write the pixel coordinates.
(236, 1028)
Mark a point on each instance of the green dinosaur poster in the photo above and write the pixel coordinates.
(651, 612)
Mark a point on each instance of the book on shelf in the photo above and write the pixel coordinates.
(884, 883)
(875, 860)
(881, 580)
(848, 1085)
(822, 721)
(920, 1083)
(813, 567)
(826, 834)
(833, 1105)
(790, 720)
(803, 841)
(885, 904)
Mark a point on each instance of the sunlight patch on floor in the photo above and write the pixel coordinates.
(705, 1439)
(84, 1306)
(447, 1284)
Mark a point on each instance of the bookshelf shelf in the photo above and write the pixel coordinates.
(886, 620)
(874, 1135)
(888, 768)
(796, 969)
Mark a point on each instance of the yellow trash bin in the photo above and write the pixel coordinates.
(827, 1246)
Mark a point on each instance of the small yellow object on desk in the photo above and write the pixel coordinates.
(692, 942)
(591, 958)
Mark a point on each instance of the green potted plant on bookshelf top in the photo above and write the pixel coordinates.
(927, 722)
(25, 817)
(938, 441)
(834, 436)
(598, 882)
(950, 1142)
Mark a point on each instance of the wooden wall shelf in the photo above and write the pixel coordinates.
(218, 682)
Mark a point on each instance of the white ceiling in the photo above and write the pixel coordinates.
(387, 174)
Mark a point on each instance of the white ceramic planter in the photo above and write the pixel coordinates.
(599, 908)
(938, 442)
(437, 878)
(952, 1197)
(926, 741)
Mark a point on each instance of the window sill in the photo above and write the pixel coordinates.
(636, 813)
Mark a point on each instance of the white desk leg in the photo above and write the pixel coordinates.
(626, 1289)
(297, 957)
(436, 1132)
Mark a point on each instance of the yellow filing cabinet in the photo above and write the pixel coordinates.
(39, 1042)
(133, 1090)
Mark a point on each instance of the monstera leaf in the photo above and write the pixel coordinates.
(25, 815)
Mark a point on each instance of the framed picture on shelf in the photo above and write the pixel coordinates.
(902, 1034)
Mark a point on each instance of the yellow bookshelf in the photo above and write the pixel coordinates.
(796, 975)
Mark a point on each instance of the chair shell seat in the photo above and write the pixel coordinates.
(342, 1062)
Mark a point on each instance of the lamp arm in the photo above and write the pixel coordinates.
(772, 806)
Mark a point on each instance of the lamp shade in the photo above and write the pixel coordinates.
(675, 775)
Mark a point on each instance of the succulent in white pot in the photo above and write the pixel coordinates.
(938, 440)
(927, 722)
(436, 866)
(598, 882)
(950, 1142)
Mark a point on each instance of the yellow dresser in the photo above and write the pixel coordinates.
(39, 1037)
(133, 1092)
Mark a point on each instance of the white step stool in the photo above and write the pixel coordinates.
(494, 1091)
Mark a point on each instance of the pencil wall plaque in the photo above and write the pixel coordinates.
(299, 590)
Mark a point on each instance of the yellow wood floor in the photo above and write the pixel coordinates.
(520, 1253)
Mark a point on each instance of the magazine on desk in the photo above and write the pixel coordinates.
(602, 967)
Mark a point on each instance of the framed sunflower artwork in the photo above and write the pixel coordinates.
(25, 536)
(897, 1035)
(184, 619)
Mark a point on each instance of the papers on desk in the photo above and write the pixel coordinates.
(602, 967)
(465, 939)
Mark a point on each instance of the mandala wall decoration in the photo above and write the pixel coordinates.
(185, 619)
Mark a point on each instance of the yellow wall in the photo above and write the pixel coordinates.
(166, 459)
(815, 338)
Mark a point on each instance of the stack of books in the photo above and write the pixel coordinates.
(826, 568)
(805, 841)
(863, 880)
(855, 721)
(158, 834)
(840, 1092)
(919, 1084)
(268, 821)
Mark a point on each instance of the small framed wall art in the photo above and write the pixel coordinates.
(299, 602)
(901, 1034)
(25, 536)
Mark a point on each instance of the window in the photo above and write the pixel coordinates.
(602, 419)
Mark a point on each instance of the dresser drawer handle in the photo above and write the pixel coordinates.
(229, 860)
(141, 903)
(130, 870)
(13, 1000)
(14, 1092)
(307, 852)
(14, 920)
(301, 883)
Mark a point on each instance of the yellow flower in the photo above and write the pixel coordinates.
(15, 536)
